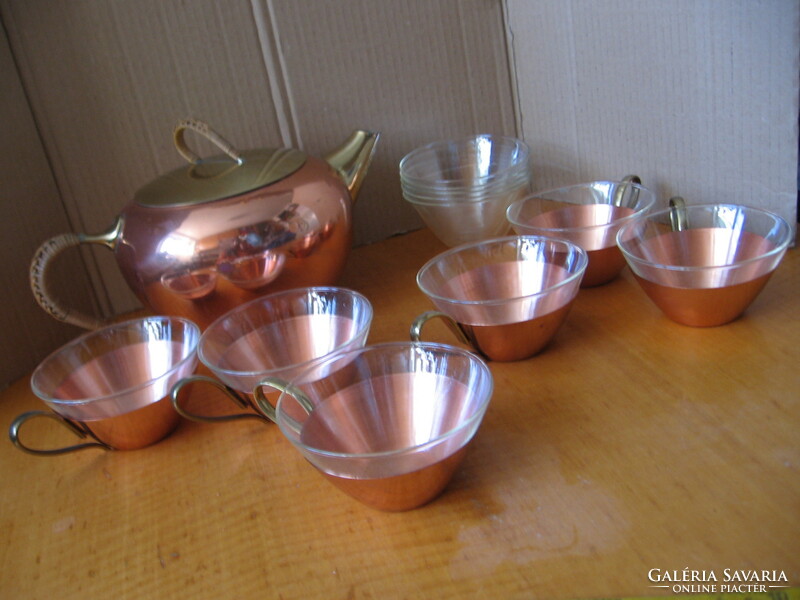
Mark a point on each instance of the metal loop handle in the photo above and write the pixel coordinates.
(452, 325)
(231, 393)
(619, 195)
(205, 130)
(285, 388)
(678, 218)
(81, 432)
(41, 262)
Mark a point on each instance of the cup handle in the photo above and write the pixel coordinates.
(284, 388)
(452, 325)
(620, 193)
(232, 394)
(677, 214)
(16, 424)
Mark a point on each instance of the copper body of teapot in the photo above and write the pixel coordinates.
(202, 239)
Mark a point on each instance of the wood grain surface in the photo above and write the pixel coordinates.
(631, 443)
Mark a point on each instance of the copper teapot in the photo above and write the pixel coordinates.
(204, 238)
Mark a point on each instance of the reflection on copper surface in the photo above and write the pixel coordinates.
(191, 285)
(323, 268)
(266, 241)
(253, 271)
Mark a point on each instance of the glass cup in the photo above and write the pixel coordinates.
(461, 188)
(703, 265)
(387, 424)
(506, 297)
(112, 385)
(278, 335)
(587, 214)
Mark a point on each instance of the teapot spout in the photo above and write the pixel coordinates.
(351, 160)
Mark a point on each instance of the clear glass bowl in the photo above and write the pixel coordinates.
(477, 163)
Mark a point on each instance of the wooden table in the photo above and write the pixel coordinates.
(631, 444)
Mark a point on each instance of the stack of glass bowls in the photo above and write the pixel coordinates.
(461, 188)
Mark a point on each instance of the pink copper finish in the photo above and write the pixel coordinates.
(278, 335)
(507, 296)
(113, 384)
(199, 257)
(263, 241)
(709, 270)
(587, 214)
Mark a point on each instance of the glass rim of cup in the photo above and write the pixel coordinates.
(583, 261)
(49, 399)
(583, 228)
(785, 238)
(409, 345)
(522, 147)
(301, 365)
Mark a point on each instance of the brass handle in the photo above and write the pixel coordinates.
(13, 434)
(677, 214)
(619, 196)
(232, 394)
(205, 130)
(285, 388)
(452, 325)
(41, 262)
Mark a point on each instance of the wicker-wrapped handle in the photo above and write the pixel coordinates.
(41, 263)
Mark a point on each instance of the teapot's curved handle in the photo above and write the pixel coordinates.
(205, 130)
(41, 262)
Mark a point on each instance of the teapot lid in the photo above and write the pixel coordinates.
(218, 177)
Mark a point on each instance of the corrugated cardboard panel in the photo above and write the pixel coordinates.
(698, 98)
(31, 209)
(416, 70)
